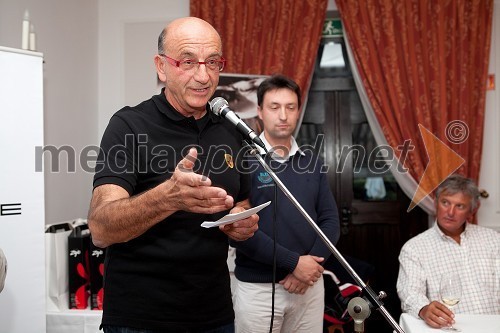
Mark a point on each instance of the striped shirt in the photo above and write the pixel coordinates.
(427, 256)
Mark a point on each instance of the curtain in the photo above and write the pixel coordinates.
(423, 66)
(404, 179)
(267, 37)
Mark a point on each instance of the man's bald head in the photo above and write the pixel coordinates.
(183, 25)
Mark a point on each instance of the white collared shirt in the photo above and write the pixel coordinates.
(294, 148)
(427, 256)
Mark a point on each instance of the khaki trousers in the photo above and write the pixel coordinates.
(292, 313)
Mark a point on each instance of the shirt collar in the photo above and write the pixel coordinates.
(441, 233)
(294, 148)
(167, 109)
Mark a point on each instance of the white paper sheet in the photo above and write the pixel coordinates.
(230, 218)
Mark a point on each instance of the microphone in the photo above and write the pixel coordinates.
(220, 107)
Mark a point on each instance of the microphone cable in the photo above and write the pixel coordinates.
(275, 232)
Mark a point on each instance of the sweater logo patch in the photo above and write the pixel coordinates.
(229, 160)
(264, 178)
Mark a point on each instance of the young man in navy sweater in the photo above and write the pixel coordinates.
(300, 253)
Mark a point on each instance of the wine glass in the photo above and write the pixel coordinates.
(450, 290)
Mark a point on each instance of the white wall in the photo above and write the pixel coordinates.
(489, 213)
(128, 35)
(67, 32)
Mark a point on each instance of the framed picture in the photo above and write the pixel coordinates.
(240, 91)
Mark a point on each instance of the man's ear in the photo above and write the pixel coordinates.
(259, 112)
(477, 207)
(160, 69)
(473, 212)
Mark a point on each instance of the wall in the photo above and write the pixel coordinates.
(489, 213)
(66, 32)
(128, 35)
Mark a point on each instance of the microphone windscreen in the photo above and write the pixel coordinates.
(217, 104)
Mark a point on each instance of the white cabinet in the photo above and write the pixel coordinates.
(22, 220)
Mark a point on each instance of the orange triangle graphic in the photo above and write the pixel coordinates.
(443, 161)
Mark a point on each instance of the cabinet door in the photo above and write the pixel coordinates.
(22, 216)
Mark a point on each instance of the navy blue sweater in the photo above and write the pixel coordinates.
(302, 175)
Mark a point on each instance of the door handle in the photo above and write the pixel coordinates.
(345, 220)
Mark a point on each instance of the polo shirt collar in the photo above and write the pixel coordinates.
(167, 109)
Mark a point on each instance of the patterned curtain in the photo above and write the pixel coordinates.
(267, 37)
(423, 65)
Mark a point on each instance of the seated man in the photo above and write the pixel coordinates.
(451, 245)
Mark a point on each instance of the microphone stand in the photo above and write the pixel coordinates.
(370, 297)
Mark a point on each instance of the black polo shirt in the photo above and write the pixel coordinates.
(174, 276)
